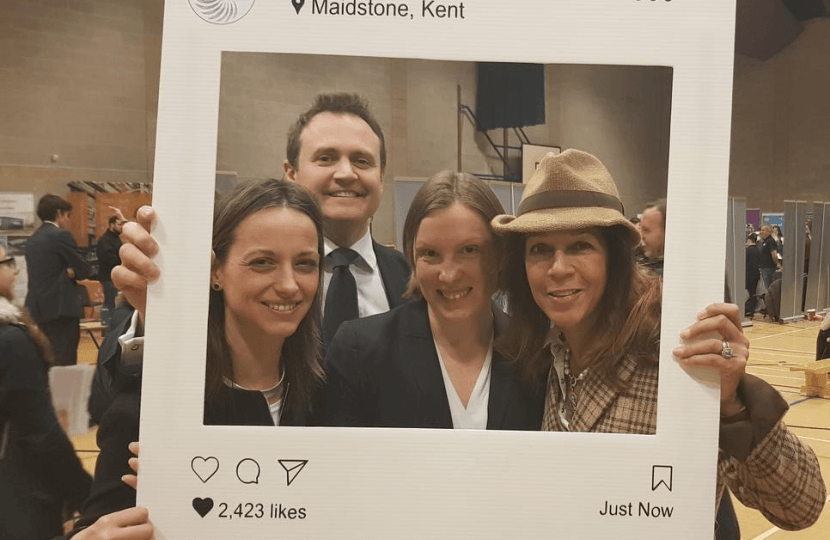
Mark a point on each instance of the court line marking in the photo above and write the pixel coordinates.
(812, 438)
(767, 534)
(790, 332)
(774, 530)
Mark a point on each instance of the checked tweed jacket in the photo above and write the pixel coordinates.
(764, 464)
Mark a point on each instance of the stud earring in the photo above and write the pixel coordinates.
(215, 286)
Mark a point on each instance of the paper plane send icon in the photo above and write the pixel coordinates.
(292, 468)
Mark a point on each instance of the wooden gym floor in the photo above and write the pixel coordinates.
(774, 348)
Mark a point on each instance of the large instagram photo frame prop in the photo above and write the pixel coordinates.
(206, 483)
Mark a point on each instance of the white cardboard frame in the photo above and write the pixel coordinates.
(414, 484)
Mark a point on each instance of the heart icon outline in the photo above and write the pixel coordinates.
(204, 468)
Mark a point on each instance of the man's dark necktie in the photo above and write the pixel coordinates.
(341, 298)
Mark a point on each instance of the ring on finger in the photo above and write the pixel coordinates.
(726, 351)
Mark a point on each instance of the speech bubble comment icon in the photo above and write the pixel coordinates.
(247, 471)
(202, 506)
(292, 468)
(204, 468)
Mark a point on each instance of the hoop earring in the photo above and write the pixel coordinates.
(215, 286)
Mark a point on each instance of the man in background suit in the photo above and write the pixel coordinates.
(107, 250)
(53, 263)
(653, 231)
(336, 150)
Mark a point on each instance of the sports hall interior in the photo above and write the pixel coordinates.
(79, 94)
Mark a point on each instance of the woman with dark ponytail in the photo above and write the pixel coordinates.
(41, 478)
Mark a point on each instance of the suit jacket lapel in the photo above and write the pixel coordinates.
(500, 390)
(598, 396)
(420, 361)
(393, 283)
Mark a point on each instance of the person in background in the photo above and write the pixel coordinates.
(652, 228)
(586, 317)
(54, 262)
(778, 236)
(108, 258)
(753, 274)
(41, 478)
(769, 256)
(823, 339)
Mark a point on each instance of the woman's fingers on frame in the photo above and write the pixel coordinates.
(710, 353)
(127, 517)
(731, 311)
(145, 217)
(132, 285)
(126, 280)
(138, 262)
(711, 345)
(720, 324)
(131, 480)
(135, 234)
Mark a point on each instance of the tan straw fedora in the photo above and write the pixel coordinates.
(571, 190)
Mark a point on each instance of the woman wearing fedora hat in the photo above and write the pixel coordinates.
(586, 318)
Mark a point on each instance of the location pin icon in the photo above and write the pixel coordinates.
(298, 5)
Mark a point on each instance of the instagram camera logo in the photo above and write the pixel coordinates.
(221, 11)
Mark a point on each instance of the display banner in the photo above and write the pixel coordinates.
(302, 483)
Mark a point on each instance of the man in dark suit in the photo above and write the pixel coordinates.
(107, 250)
(53, 263)
(336, 149)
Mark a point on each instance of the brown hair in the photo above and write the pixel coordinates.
(49, 205)
(335, 103)
(628, 322)
(302, 351)
(442, 191)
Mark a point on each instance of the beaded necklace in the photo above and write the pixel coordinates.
(569, 384)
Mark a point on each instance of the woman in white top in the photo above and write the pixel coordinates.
(430, 362)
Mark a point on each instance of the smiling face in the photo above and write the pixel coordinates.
(566, 271)
(270, 276)
(339, 162)
(455, 266)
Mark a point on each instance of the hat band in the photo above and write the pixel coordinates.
(569, 199)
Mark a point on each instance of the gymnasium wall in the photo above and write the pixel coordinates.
(79, 80)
